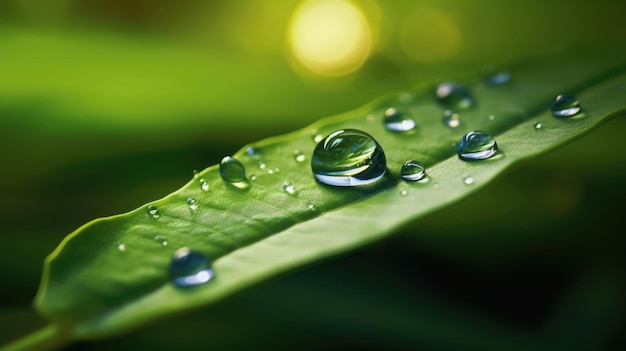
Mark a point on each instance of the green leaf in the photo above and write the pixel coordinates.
(90, 288)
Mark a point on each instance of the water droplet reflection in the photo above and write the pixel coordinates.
(189, 268)
(476, 145)
(348, 157)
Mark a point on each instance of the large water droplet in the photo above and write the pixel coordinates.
(348, 157)
(451, 119)
(154, 212)
(189, 268)
(413, 170)
(565, 106)
(232, 170)
(192, 203)
(397, 121)
(454, 96)
(288, 187)
(476, 145)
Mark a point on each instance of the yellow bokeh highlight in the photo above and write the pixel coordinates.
(429, 35)
(329, 37)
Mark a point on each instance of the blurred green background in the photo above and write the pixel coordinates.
(108, 104)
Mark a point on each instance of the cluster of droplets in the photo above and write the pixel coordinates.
(351, 157)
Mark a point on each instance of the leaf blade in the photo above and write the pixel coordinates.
(258, 240)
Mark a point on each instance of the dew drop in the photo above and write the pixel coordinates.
(232, 170)
(348, 157)
(311, 206)
(413, 170)
(154, 212)
(270, 171)
(121, 246)
(370, 118)
(190, 268)
(288, 187)
(298, 156)
(397, 121)
(468, 180)
(451, 119)
(253, 177)
(195, 173)
(204, 185)
(565, 106)
(499, 78)
(192, 203)
(252, 151)
(476, 145)
(262, 165)
(491, 117)
(161, 239)
(317, 137)
(404, 192)
(454, 96)
(537, 125)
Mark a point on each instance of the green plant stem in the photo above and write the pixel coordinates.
(50, 337)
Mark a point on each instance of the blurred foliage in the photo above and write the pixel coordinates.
(107, 104)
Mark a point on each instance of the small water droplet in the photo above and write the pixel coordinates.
(491, 117)
(252, 151)
(397, 121)
(537, 125)
(451, 119)
(154, 212)
(311, 206)
(298, 156)
(189, 268)
(406, 98)
(454, 96)
(232, 170)
(161, 239)
(192, 203)
(276, 170)
(348, 157)
(253, 177)
(204, 185)
(121, 246)
(262, 165)
(370, 118)
(413, 170)
(195, 173)
(476, 145)
(317, 137)
(270, 171)
(404, 192)
(565, 106)
(288, 187)
(499, 78)
(468, 180)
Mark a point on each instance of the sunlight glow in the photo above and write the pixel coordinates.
(329, 37)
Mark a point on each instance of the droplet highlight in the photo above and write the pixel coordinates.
(397, 121)
(565, 106)
(454, 96)
(298, 156)
(468, 180)
(161, 240)
(413, 170)
(154, 212)
(189, 268)
(476, 145)
(288, 187)
(537, 125)
(404, 192)
(192, 203)
(204, 185)
(121, 246)
(232, 170)
(348, 157)
(451, 119)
